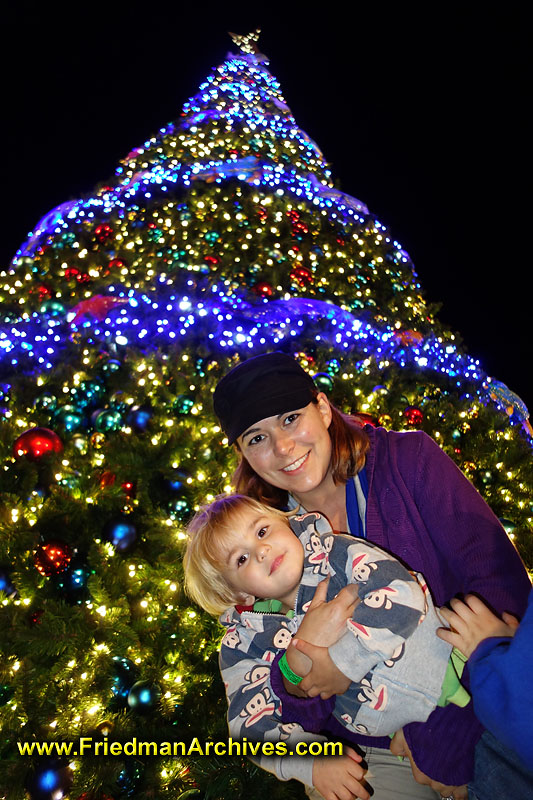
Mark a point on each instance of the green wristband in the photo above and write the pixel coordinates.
(291, 676)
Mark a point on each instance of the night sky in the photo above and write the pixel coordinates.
(420, 113)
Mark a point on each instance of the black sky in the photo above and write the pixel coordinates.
(421, 113)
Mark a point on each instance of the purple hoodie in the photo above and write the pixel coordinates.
(423, 509)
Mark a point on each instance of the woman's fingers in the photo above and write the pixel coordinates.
(320, 594)
(348, 597)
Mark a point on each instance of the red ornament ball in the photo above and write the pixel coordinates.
(117, 263)
(90, 796)
(263, 289)
(36, 442)
(302, 276)
(35, 617)
(413, 415)
(52, 558)
(107, 478)
(103, 232)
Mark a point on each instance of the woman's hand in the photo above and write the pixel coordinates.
(325, 622)
(400, 747)
(324, 678)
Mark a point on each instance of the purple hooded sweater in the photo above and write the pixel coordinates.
(421, 508)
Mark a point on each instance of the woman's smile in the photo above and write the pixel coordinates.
(296, 464)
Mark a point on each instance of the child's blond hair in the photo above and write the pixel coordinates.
(204, 558)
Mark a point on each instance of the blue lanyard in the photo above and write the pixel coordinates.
(352, 508)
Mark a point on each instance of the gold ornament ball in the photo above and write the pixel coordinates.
(105, 727)
(97, 440)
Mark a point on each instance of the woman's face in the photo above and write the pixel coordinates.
(291, 450)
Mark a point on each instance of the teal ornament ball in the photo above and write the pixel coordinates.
(183, 404)
(70, 418)
(88, 394)
(117, 401)
(144, 697)
(72, 584)
(45, 402)
(107, 420)
(52, 308)
(130, 778)
(125, 673)
(180, 509)
(323, 382)
(111, 366)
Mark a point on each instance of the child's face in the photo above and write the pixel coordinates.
(263, 558)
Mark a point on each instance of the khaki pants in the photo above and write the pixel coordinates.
(390, 778)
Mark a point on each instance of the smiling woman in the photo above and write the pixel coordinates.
(400, 491)
(292, 441)
(293, 450)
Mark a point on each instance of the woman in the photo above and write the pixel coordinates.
(404, 494)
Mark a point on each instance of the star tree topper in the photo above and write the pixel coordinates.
(247, 42)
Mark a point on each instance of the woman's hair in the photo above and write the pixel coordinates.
(349, 447)
(208, 531)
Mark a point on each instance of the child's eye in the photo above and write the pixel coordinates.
(262, 532)
(241, 561)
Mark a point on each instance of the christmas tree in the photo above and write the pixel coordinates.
(222, 236)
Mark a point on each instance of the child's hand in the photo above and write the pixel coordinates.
(340, 777)
(471, 622)
(324, 678)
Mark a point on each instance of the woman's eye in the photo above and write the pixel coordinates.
(290, 419)
(242, 560)
(256, 439)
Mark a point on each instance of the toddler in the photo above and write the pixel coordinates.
(259, 569)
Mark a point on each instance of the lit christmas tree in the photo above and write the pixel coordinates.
(221, 237)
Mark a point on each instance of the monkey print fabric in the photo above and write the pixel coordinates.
(390, 650)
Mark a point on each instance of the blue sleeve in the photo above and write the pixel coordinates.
(501, 678)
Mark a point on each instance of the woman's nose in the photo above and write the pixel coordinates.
(283, 443)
